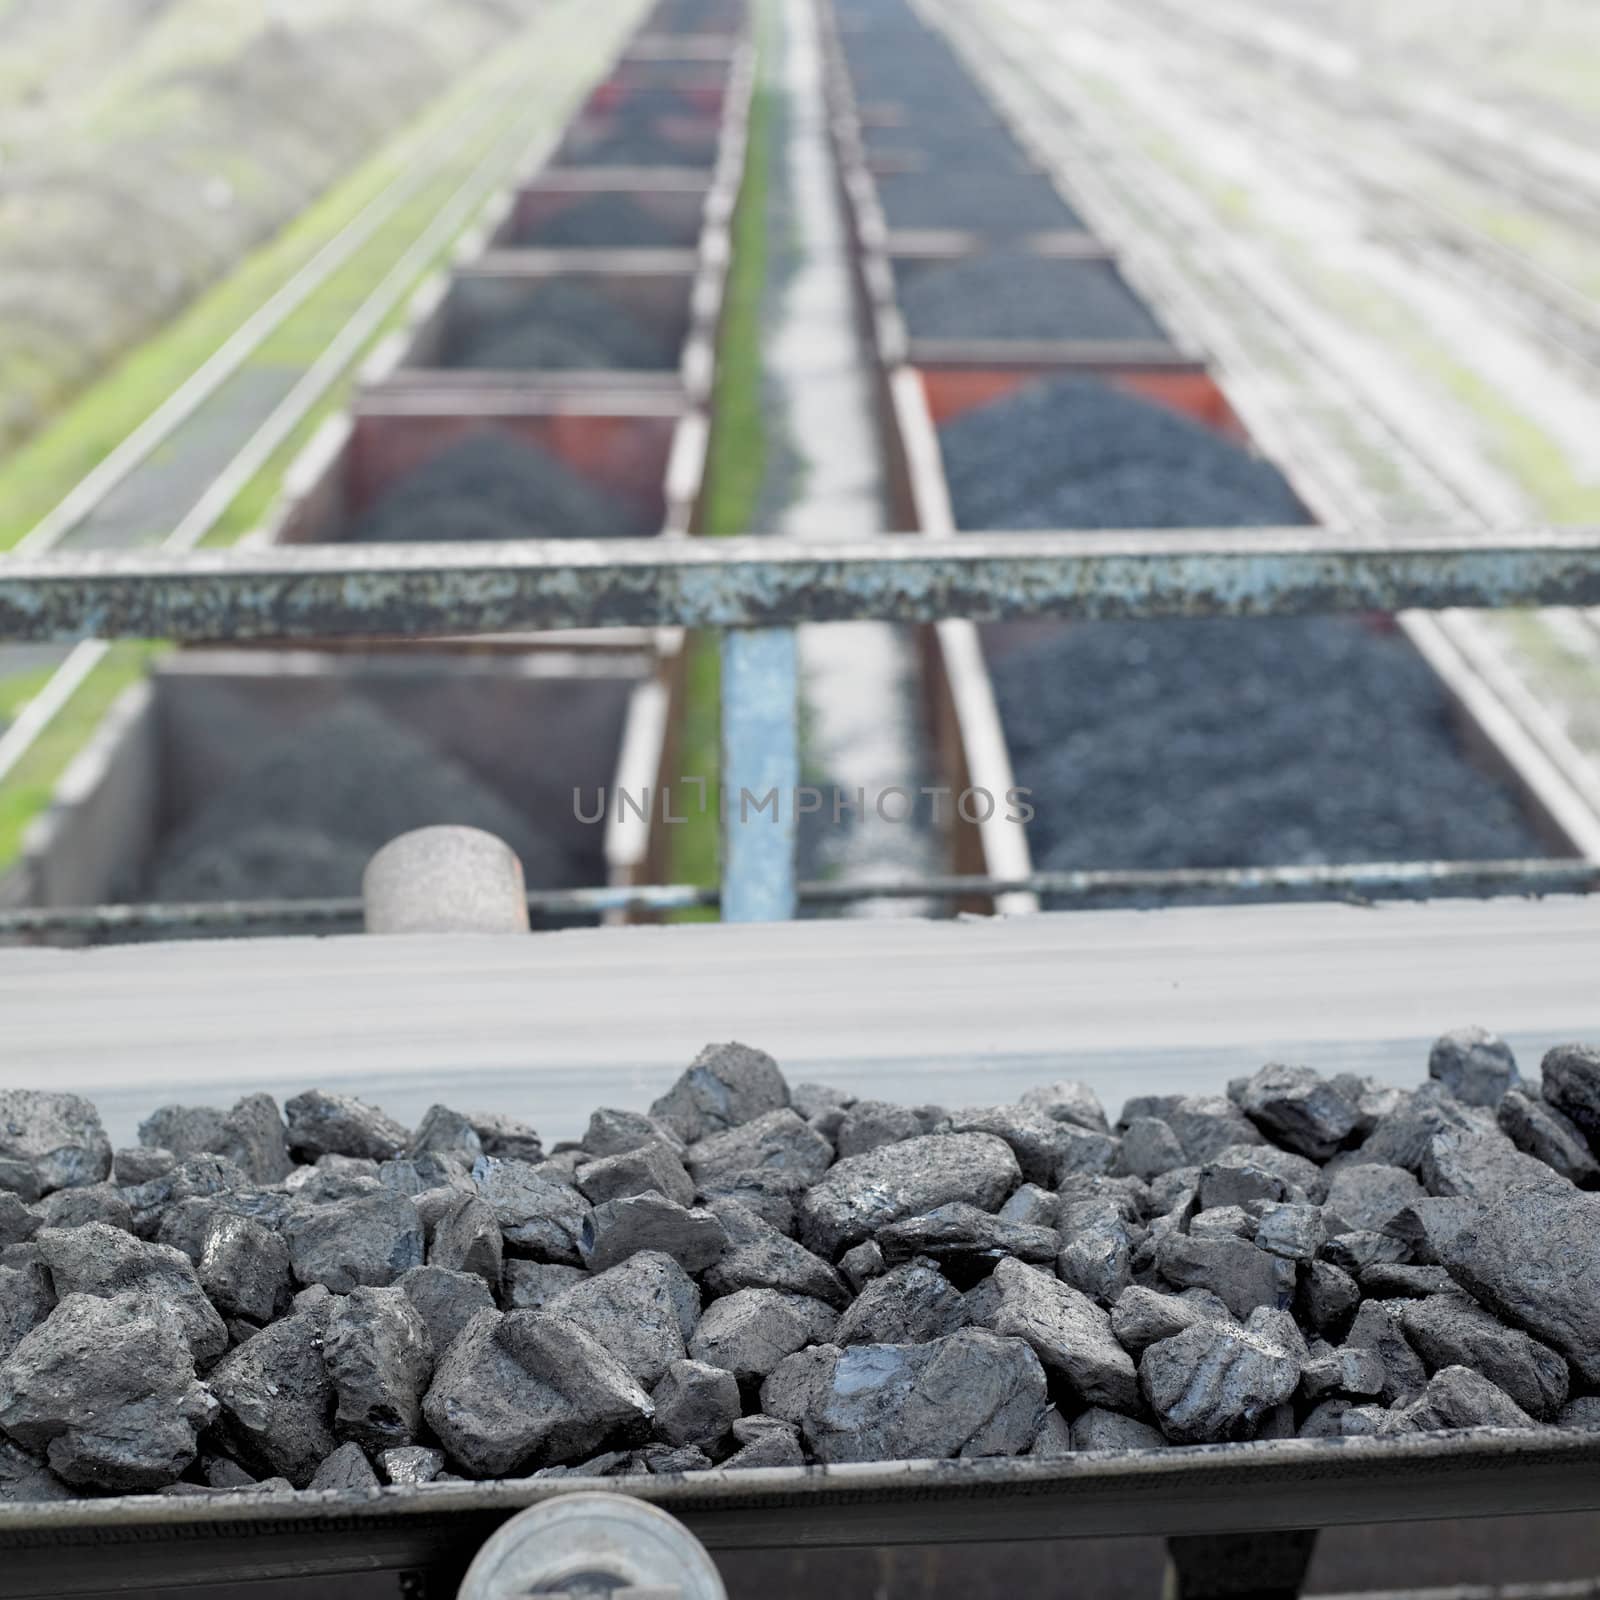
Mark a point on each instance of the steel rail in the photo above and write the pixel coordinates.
(1357, 881)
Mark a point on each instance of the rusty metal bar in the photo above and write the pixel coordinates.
(1366, 881)
(333, 591)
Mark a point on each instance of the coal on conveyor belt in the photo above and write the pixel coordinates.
(304, 817)
(757, 1275)
(566, 326)
(491, 486)
(1005, 295)
(611, 222)
(982, 202)
(1079, 453)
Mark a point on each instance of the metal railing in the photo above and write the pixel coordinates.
(1360, 883)
(755, 590)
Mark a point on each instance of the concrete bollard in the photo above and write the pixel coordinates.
(445, 880)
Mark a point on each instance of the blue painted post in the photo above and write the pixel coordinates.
(760, 774)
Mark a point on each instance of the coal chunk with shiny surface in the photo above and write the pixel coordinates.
(859, 1196)
(379, 1356)
(1212, 1383)
(973, 1393)
(369, 1239)
(50, 1141)
(525, 1389)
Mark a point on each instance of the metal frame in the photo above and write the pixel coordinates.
(85, 1547)
(755, 590)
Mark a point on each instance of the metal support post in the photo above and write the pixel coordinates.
(1239, 1566)
(760, 774)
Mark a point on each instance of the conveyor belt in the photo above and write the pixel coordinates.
(546, 1027)
(419, 1540)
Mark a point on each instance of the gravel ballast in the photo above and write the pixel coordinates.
(324, 1299)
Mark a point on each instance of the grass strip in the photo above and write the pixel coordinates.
(735, 470)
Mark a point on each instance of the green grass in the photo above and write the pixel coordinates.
(734, 473)
(28, 789)
(18, 688)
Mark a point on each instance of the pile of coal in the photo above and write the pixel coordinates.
(644, 104)
(754, 1274)
(1262, 743)
(567, 326)
(619, 141)
(491, 486)
(920, 101)
(996, 203)
(1080, 453)
(611, 222)
(1018, 295)
(1219, 743)
(931, 145)
(696, 16)
(303, 818)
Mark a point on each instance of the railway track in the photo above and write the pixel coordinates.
(1319, 403)
(1561, 320)
(1518, 733)
(1528, 149)
(264, 420)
